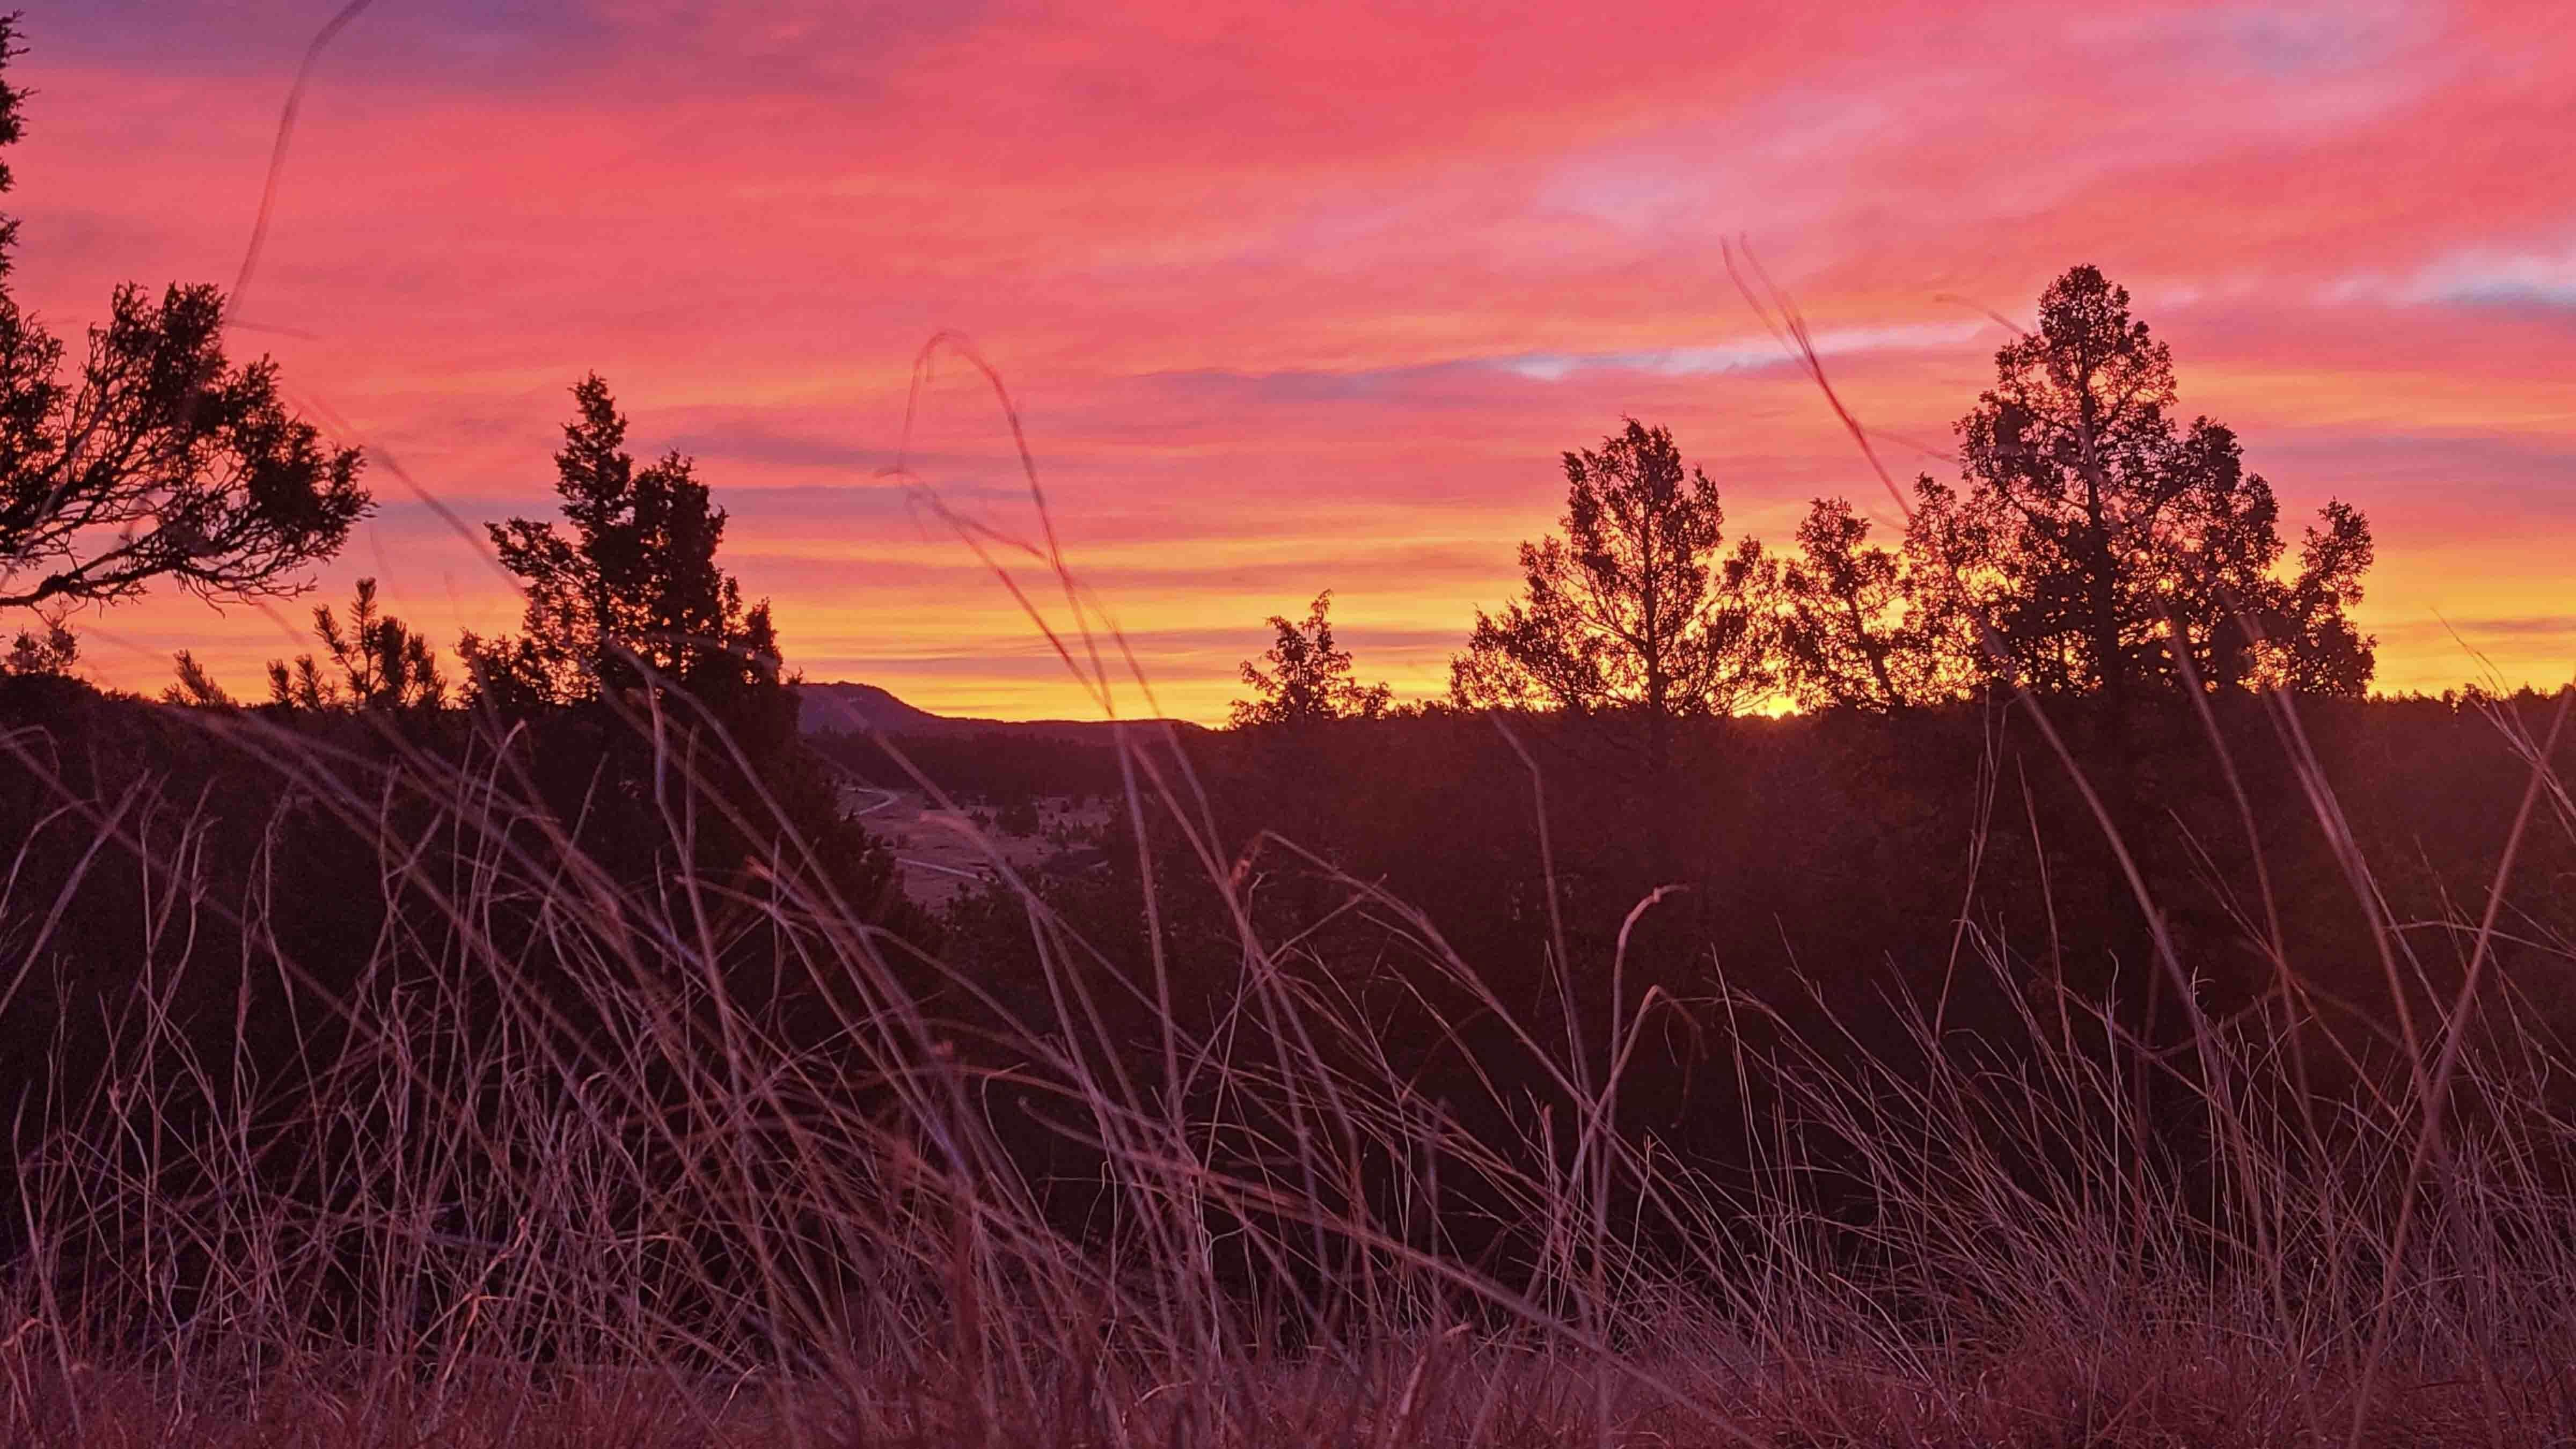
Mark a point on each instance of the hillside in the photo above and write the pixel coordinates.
(866, 709)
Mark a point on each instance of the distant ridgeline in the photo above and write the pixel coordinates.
(866, 709)
(974, 758)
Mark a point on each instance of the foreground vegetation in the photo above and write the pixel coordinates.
(384, 1103)
(2092, 1023)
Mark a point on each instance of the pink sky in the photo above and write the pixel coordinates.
(1298, 297)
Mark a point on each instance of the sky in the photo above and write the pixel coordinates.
(1304, 297)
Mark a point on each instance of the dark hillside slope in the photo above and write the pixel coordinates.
(866, 709)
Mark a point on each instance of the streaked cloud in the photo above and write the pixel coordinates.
(1745, 355)
(1293, 298)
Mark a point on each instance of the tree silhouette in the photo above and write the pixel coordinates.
(159, 459)
(2320, 652)
(1631, 612)
(49, 648)
(2091, 521)
(628, 607)
(633, 594)
(1308, 679)
(375, 662)
(1856, 627)
(379, 663)
(196, 686)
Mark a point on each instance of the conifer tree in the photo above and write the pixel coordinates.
(1307, 679)
(2092, 523)
(631, 597)
(156, 460)
(1860, 625)
(1631, 613)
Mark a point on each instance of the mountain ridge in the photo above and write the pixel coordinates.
(871, 709)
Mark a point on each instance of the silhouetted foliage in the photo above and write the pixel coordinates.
(2319, 651)
(1631, 612)
(1860, 625)
(196, 687)
(1308, 680)
(1835, 866)
(646, 678)
(159, 459)
(49, 648)
(634, 593)
(379, 664)
(2093, 523)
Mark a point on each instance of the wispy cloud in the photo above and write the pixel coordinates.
(1297, 297)
(1744, 355)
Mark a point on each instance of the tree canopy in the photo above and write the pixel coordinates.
(2093, 525)
(1860, 625)
(1307, 679)
(1632, 611)
(157, 459)
(633, 594)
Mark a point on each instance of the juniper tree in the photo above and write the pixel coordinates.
(1307, 679)
(2093, 523)
(632, 596)
(1861, 625)
(628, 612)
(157, 460)
(1632, 612)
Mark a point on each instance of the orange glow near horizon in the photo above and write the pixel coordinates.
(1296, 298)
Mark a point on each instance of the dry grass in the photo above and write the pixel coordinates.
(677, 1225)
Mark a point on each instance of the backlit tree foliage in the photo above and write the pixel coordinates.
(1304, 678)
(632, 595)
(1632, 612)
(1861, 625)
(2093, 524)
(155, 459)
(375, 662)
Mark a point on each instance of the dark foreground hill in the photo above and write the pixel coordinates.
(390, 1062)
